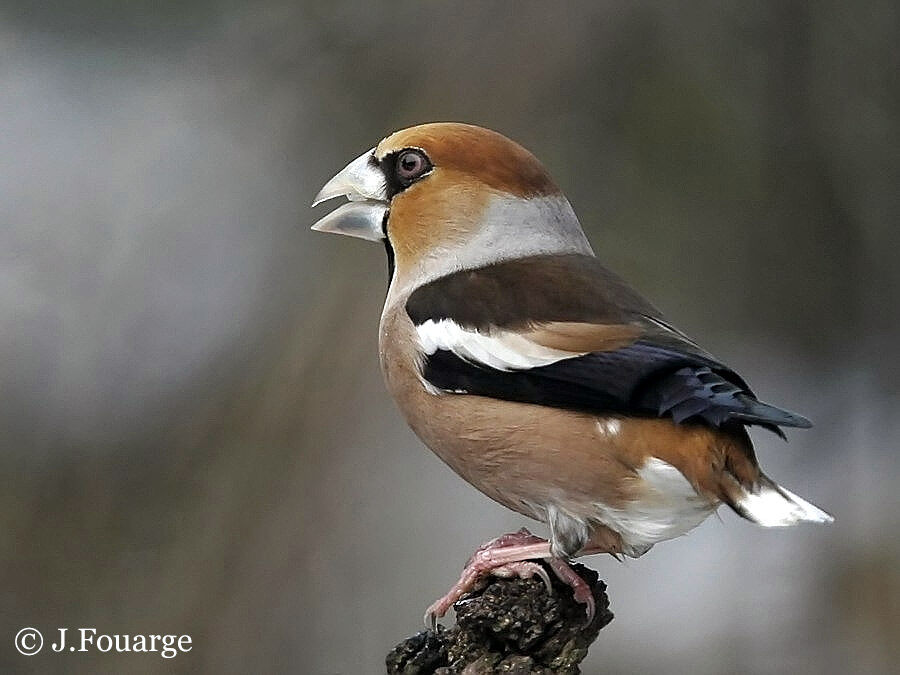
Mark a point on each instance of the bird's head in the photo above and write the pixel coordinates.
(449, 196)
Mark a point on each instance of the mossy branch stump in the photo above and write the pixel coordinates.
(508, 626)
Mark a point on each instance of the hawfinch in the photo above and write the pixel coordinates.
(535, 373)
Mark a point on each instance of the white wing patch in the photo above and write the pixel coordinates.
(609, 426)
(500, 349)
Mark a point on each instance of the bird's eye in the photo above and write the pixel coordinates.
(411, 164)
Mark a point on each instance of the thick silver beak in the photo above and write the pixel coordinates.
(362, 182)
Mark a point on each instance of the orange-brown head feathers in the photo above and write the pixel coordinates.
(470, 153)
(450, 196)
(472, 168)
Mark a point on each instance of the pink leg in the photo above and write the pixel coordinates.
(506, 556)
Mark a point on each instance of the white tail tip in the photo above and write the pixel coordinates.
(773, 506)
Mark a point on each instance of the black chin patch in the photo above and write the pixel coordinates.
(387, 247)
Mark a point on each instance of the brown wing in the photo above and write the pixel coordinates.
(580, 338)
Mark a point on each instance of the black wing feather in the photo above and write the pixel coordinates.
(664, 374)
(636, 380)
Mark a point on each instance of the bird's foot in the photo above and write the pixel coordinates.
(507, 556)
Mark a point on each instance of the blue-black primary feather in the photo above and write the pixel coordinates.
(640, 379)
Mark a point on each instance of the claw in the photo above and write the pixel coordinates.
(430, 619)
(580, 590)
(524, 569)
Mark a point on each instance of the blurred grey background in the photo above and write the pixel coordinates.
(194, 437)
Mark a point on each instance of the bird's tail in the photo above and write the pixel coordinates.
(770, 505)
